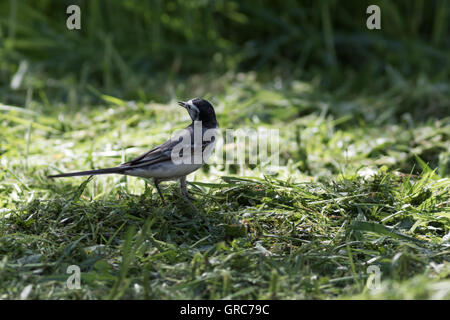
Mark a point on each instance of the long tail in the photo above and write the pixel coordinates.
(89, 173)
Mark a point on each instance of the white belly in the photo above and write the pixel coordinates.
(164, 170)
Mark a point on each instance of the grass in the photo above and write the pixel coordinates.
(362, 183)
(364, 125)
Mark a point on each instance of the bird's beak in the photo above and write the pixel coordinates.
(182, 104)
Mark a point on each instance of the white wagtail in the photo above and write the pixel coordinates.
(174, 159)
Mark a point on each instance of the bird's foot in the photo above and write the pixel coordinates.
(186, 195)
(159, 192)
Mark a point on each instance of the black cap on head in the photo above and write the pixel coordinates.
(203, 111)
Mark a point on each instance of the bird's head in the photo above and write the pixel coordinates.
(200, 110)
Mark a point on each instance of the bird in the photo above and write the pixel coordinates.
(184, 153)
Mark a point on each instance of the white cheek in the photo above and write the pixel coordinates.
(193, 114)
(193, 110)
(193, 106)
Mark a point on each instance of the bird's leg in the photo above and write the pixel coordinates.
(185, 193)
(159, 190)
(183, 188)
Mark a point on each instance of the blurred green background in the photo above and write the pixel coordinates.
(132, 48)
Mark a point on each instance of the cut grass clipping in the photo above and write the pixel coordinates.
(318, 232)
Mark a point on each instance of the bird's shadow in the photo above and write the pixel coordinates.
(73, 208)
